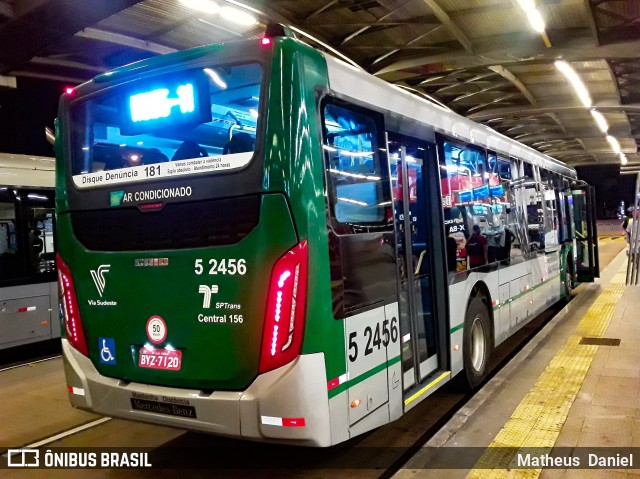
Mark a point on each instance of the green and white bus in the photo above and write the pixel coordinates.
(260, 241)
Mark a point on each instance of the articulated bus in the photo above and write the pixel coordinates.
(28, 289)
(260, 241)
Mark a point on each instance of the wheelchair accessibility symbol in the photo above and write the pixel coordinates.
(107, 350)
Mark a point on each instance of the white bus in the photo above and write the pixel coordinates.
(28, 288)
(337, 242)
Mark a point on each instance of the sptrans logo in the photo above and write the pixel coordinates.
(204, 289)
(98, 277)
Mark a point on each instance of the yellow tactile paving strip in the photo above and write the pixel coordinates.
(538, 419)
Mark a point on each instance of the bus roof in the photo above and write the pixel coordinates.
(362, 86)
(27, 170)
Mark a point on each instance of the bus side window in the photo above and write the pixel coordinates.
(356, 180)
(10, 264)
(520, 193)
(534, 207)
(359, 209)
(465, 182)
(39, 213)
(505, 237)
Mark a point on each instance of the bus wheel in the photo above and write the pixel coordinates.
(477, 343)
(568, 279)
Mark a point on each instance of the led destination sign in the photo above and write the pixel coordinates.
(170, 102)
(158, 104)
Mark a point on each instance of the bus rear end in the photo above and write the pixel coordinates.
(183, 272)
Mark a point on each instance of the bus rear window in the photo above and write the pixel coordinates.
(198, 121)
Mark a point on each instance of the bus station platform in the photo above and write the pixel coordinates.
(573, 390)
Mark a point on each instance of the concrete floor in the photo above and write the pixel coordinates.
(604, 412)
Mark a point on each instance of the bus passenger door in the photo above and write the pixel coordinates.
(585, 252)
(411, 163)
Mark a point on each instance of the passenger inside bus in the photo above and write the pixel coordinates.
(477, 249)
(152, 156)
(188, 149)
(239, 143)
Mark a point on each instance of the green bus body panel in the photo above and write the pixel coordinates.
(294, 163)
(220, 356)
(214, 355)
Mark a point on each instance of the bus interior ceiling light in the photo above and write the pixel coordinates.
(623, 158)
(576, 83)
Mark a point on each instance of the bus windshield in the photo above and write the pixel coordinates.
(198, 121)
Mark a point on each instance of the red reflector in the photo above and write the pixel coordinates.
(70, 309)
(333, 383)
(151, 206)
(337, 381)
(286, 302)
(70, 389)
(22, 310)
(293, 422)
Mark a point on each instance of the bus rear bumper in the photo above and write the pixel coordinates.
(287, 405)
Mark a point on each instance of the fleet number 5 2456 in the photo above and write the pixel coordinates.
(230, 266)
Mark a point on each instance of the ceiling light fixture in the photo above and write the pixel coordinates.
(535, 19)
(575, 81)
(623, 159)
(600, 120)
(206, 6)
(236, 15)
(614, 144)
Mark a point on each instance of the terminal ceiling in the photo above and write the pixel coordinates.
(479, 57)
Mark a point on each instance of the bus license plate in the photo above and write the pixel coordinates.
(160, 359)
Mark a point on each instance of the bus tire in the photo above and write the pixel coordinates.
(477, 343)
(568, 278)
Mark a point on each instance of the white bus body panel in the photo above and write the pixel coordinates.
(29, 313)
(297, 390)
(377, 399)
(25, 170)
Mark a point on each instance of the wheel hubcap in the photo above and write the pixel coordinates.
(478, 344)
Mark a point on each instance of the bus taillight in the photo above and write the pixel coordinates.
(70, 310)
(285, 315)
